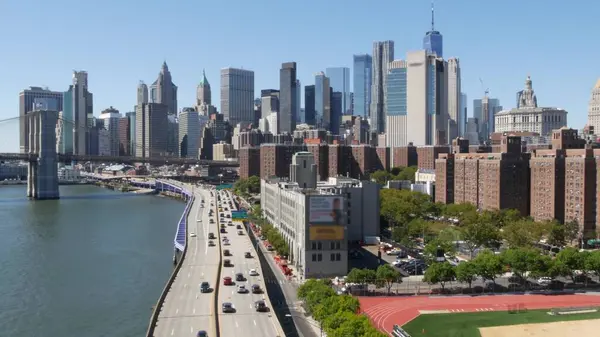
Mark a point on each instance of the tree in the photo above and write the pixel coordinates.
(488, 265)
(419, 227)
(571, 231)
(519, 260)
(592, 262)
(509, 216)
(253, 185)
(524, 233)
(441, 273)
(314, 292)
(361, 276)
(568, 261)
(466, 272)
(407, 174)
(480, 234)
(396, 170)
(386, 276)
(541, 266)
(557, 235)
(334, 304)
(432, 247)
(381, 177)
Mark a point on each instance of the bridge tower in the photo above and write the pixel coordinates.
(42, 170)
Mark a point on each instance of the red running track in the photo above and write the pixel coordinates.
(387, 311)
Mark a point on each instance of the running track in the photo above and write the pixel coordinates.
(387, 311)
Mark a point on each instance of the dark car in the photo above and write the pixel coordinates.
(226, 252)
(211, 244)
(248, 255)
(211, 236)
(228, 307)
(202, 333)
(238, 227)
(223, 230)
(204, 287)
(239, 277)
(261, 306)
(256, 289)
(227, 263)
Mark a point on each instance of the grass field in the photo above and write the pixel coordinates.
(468, 324)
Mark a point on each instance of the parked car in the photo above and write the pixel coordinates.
(544, 281)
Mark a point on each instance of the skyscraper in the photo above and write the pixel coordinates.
(142, 93)
(484, 110)
(151, 130)
(237, 95)
(26, 100)
(454, 88)
(336, 99)
(309, 104)
(383, 53)
(427, 99)
(110, 118)
(339, 79)
(363, 65)
(594, 109)
(164, 91)
(287, 97)
(189, 133)
(433, 42)
(204, 98)
(462, 126)
(82, 109)
(395, 124)
(322, 101)
(298, 101)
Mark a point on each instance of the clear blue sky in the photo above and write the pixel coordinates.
(120, 42)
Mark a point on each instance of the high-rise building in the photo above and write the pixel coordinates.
(269, 102)
(287, 97)
(110, 118)
(151, 133)
(189, 133)
(462, 125)
(164, 91)
(396, 108)
(204, 105)
(142, 93)
(336, 103)
(82, 111)
(26, 105)
(132, 132)
(172, 135)
(484, 110)
(322, 101)
(427, 99)
(339, 79)
(383, 53)
(363, 65)
(309, 105)
(433, 42)
(454, 88)
(237, 95)
(594, 109)
(298, 101)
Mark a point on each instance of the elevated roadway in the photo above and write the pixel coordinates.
(246, 321)
(186, 310)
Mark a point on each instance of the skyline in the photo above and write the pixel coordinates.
(483, 53)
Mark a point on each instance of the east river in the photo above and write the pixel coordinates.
(88, 265)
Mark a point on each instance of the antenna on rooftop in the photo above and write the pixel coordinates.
(432, 16)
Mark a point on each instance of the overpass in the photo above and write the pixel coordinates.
(42, 156)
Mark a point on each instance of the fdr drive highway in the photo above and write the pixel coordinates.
(243, 285)
(186, 310)
(190, 311)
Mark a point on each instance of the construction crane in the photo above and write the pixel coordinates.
(486, 91)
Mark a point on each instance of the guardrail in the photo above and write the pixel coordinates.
(165, 291)
(399, 332)
(219, 269)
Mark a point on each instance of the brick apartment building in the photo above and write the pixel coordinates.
(249, 159)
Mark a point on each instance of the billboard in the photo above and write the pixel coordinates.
(325, 210)
(325, 233)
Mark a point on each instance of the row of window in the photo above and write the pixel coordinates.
(332, 257)
(318, 245)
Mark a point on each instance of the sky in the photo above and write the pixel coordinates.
(120, 42)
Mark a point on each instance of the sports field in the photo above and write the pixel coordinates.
(469, 324)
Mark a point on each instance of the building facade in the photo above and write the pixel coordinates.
(594, 109)
(485, 110)
(189, 133)
(363, 65)
(383, 53)
(151, 133)
(237, 95)
(287, 97)
(339, 80)
(322, 101)
(455, 117)
(396, 105)
(164, 91)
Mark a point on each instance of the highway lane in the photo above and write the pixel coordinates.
(246, 321)
(186, 310)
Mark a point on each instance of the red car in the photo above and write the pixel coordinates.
(227, 281)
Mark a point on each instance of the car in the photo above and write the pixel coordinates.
(202, 333)
(226, 243)
(242, 289)
(260, 306)
(544, 281)
(212, 221)
(230, 223)
(238, 227)
(226, 252)
(239, 277)
(248, 255)
(240, 232)
(228, 308)
(227, 281)
(192, 235)
(256, 289)
(227, 263)
(204, 287)
(253, 272)
(223, 230)
(262, 237)
(270, 248)
(211, 236)
(228, 215)
(211, 243)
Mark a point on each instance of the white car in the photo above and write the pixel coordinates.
(242, 289)
(226, 243)
(253, 272)
(544, 281)
(192, 235)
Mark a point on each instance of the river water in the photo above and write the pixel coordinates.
(90, 264)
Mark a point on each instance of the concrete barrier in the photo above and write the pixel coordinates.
(165, 291)
(219, 269)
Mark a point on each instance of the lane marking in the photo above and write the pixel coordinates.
(254, 321)
(236, 324)
(194, 311)
(172, 332)
(192, 329)
(189, 274)
(176, 311)
(185, 285)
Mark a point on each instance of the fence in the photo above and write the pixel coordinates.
(399, 332)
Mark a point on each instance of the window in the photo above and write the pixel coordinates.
(332, 257)
(314, 257)
(314, 246)
(332, 245)
(319, 257)
(304, 163)
(338, 245)
(319, 245)
(338, 257)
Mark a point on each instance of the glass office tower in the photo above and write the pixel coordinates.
(339, 79)
(362, 84)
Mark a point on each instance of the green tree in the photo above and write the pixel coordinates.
(314, 292)
(353, 326)
(253, 185)
(568, 261)
(519, 260)
(571, 231)
(557, 235)
(386, 276)
(396, 170)
(334, 304)
(524, 233)
(431, 248)
(480, 234)
(419, 227)
(439, 272)
(509, 216)
(488, 265)
(381, 177)
(407, 173)
(361, 276)
(466, 272)
(459, 211)
(541, 266)
(592, 262)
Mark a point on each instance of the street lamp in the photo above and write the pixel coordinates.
(309, 322)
